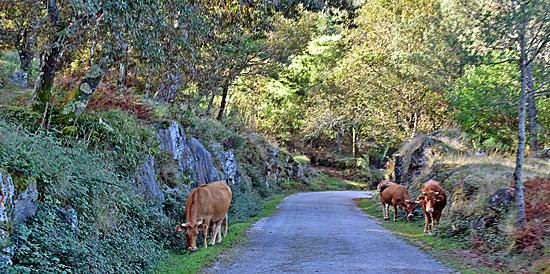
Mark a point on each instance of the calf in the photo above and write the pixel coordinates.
(395, 195)
(432, 200)
(205, 205)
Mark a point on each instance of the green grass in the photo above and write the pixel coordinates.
(180, 261)
(413, 233)
(326, 182)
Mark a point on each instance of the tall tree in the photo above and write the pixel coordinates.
(521, 26)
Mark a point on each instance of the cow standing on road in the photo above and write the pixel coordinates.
(395, 195)
(207, 204)
(432, 200)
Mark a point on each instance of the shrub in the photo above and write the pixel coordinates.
(537, 215)
(107, 97)
(108, 209)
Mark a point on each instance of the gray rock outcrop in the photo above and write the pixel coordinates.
(470, 185)
(421, 151)
(205, 170)
(7, 190)
(231, 171)
(25, 204)
(14, 210)
(501, 199)
(194, 160)
(19, 78)
(147, 179)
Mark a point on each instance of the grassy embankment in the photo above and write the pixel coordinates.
(455, 242)
(447, 250)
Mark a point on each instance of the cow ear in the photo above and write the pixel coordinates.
(437, 192)
(180, 228)
(421, 198)
(203, 226)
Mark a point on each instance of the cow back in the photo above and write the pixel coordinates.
(432, 185)
(210, 200)
(221, 196)
(393, 191)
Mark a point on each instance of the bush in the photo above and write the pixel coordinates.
(108, 209)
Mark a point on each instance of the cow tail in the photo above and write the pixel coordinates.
(382, 186)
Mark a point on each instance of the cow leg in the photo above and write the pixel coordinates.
(428, 221)
(225, 221)
(215, 228)
(205, 232)
(435, 219)
(386, 212)
(394, 212)
(219, 230)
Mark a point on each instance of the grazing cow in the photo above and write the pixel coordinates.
(207, 204)
(432, 200)
(395, 195)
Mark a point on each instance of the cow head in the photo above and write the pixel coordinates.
(429, 200)
(409, 207)
(191, 230)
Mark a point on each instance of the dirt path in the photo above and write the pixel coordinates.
(323, 232)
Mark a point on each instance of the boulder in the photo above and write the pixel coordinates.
(477, 226)
(25, 204)
(19, 78)
(470, 185)
(545, 153)
(70, 216)
(421, 151)
(501, 199)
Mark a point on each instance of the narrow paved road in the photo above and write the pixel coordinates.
(323, 232)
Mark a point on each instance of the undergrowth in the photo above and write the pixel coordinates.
(86, 211)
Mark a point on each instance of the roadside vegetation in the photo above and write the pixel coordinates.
(332, 89)
(472, 237)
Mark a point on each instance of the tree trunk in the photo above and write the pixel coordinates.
(520, 202)
(25, 48)
(122, 69)
(210, 103)
(225, 88)
(48, 64)
(87, 87)
(355, 137)
(532, 106)
(338, 141)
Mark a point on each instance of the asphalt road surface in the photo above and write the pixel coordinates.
(323, 232)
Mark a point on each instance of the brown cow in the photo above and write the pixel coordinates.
(207, 204)
(432, 200)
(396, 195)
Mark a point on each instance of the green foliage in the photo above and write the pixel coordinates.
(245, 205)
(483, 103)
(90, 207)
(9, 63)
